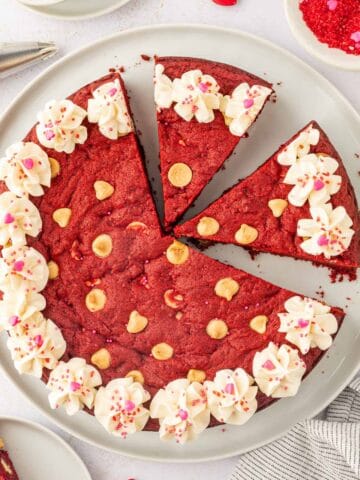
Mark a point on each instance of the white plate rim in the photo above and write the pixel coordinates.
(53, 435)
(103, 11)
(209, 28)
(332, 56)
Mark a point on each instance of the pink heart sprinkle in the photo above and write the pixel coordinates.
(183, 414)
(303, 323)
(18, 265)
(49, 134)
(38, 340)
(229, 388)
(28, 163)
(332, 4)
(75, 386)
(8, 218)
(14, 320)
(268, 365)
(355, 36)
(323, 241)
(112, 92)
(318, 185)
(248, 102)
(203, 87)
(129, 405)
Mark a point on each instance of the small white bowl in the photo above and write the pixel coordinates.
(308, 40)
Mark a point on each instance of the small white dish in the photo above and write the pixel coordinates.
(303, 34)
(39, 454)
(73, 9)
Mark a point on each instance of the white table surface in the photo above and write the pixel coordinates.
(262, 17)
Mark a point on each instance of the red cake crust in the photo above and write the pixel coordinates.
(202, 146)
(7, 469)
(247, 203)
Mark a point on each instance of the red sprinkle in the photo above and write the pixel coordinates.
(334, 22)
(226, 3)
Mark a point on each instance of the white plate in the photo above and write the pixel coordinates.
(39, 454)
(303, 34)
(302, 96)
(76, 9)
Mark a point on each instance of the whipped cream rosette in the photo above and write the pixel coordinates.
(299, 147)
(308, 324)
(108, 108)
(327, 233)
(18, 217)
(242, 107)
(232, 396)
(60, 126)
(25, 169)
(16, 307)
(163, 88)
(73, 385)
(36, 346)
(20, 265)
(119, 407)
(313, 179)
(182, 410)
(278, 370)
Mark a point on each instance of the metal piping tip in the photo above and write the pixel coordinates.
(17, 56)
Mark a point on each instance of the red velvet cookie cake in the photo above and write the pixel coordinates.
(203, 109)
(299, 203)
(133, 326)
(7, 469)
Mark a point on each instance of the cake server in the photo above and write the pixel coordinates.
(17, 56)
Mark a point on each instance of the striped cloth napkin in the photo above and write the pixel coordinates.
(316, 449)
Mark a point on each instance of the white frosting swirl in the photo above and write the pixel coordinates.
(108, 108)
(313, 178)
(182, 410)
(18, 217)
(278, 371)
(35, 346)
(60, 126)
(308, 324)
(25, 168)
(17, 307)
(73, 385)
(119, 407)
(231, 396)
(196, 95)
(299, 147)
(241, 108)
(163, 88)
(327, 233)
(22, 265)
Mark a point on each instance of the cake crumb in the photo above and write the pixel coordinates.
(145, 57)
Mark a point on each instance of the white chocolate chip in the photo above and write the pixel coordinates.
(180, 175)
(136, 226)
(137, 323)
(217, 329)
(54, 167)
(226, 288)
(207, 226)
(2, 444)
(162, 351)
(179, 315)
(246, 234)
(101, 359)
(53, 270)
(62, 217)
(136, 375)
(95, 300)
(196, 375)
(277, 206)
(177, 253)
(173, 299)
(103, 189)
(258, 324)
(102, 245)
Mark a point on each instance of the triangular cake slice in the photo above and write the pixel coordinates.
(7, 469)
(203, 109)
(299, 203)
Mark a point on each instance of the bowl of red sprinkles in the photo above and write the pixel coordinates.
(328, 29)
